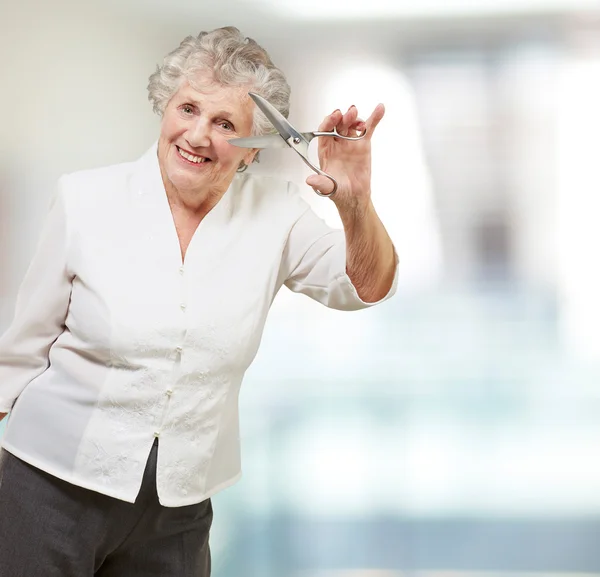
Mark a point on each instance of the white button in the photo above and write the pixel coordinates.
(169, 392)
(156, 434)
(179, 349)
(181, 270)
(182, 306)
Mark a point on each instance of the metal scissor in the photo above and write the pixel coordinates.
(288, 136)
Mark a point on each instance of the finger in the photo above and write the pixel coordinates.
(330, 121)
(320, 183)
(359, 126)
(375, 118)
(347, 120)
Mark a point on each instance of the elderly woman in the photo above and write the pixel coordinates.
(144, 306)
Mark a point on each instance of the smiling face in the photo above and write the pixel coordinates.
(196, 161)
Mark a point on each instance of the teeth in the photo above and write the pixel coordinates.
(191, 158)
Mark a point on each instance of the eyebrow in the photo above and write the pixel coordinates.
(225, 114)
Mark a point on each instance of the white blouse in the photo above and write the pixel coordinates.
(116, 341)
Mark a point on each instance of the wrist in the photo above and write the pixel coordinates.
(353, 210)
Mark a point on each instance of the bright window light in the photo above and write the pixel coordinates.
(354, 9)
(401, 184)
(578, 235)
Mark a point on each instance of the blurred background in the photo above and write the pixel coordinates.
(454, 430)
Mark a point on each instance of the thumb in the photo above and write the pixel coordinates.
(321, 183)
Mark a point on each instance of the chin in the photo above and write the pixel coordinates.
(186, 182)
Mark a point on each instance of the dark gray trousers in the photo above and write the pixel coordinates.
(51, 528)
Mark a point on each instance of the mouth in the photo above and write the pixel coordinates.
(191, 158)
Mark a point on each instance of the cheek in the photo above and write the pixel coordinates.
(229, 154)
(170, 129)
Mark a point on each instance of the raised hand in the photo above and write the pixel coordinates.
(349, 162)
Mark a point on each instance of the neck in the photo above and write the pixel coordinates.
(197, 203)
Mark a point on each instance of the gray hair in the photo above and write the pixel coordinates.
(233, 60)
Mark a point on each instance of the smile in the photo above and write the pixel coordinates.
(191, 158)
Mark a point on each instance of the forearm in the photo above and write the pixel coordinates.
(370, 256)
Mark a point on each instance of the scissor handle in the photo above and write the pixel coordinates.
(335, 133)
(300, 145)
(319, 171)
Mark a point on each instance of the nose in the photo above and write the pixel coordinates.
(198, 134)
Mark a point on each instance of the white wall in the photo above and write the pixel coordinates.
(73, 96)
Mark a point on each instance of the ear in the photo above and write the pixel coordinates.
(249, 157)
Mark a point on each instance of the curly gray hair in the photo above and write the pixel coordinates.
(233, 60)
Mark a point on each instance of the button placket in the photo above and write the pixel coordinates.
(182, 291)
(178, 349)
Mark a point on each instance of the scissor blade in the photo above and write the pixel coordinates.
(278, 120)
(268, 141)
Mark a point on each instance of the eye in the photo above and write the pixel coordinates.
(226, 125)
(187, 109)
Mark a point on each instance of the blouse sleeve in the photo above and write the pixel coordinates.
(41, 308)
(315, 256)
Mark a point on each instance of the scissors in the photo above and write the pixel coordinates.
(289, 136)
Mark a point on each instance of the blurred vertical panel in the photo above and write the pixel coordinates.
(489, 120)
